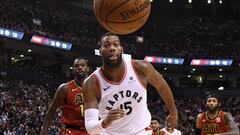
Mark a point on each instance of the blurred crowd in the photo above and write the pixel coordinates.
(54, 19)
(23, 105)
(195, 37)
(189, 108)
(189, 36)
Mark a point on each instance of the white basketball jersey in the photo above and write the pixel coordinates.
(175, 132)
(131, 96)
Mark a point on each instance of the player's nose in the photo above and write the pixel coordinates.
(112, 48)
(80, 68)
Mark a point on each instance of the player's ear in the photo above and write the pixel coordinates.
(219, 104)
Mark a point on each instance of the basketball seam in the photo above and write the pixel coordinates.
(123, 22)
(127, 21)
(107, 21)
(110, 28)
(110, 13)
(115, 8)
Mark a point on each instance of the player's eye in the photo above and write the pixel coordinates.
(106, 45)
(116, 44)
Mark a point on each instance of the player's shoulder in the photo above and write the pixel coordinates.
(63, 86)
(200, 115)
(62, 89)
(226, 114)
(140, 64)
(223, 112)
(91, 80)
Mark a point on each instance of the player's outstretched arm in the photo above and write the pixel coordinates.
(150, 75)
(232, 125)
(58, 100)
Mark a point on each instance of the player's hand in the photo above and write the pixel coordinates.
(112, 115)
(172, 122)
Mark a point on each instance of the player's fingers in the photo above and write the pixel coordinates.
(121, 112)
(117, 111)
(113, 112)
(114, 117)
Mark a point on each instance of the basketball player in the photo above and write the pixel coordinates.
(116, 92)
(155, 125)
(69, 98)
(168, 131)
(214, 121)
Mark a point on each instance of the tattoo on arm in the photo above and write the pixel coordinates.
(231, 123)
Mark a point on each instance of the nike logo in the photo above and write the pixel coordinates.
(74, 89)
(106, 88)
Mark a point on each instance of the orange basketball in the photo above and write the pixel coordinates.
(122, 16)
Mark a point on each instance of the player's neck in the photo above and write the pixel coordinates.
(78, 81)
(212, 115)
(114, 74)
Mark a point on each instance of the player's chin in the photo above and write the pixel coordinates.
(81, 75)
(113, 58)
(112, 61)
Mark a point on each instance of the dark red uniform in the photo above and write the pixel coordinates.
(213, 126)
(73, 117)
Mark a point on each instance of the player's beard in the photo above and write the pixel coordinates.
(81, 76)
(212, 110)
(111, 64)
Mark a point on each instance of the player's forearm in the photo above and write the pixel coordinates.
(234, 130)
(50, 115)
(92, 124)
(166, 94)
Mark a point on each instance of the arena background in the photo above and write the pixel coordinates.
(34, 36)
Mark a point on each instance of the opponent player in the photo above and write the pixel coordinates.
(69, 98)
(214, 121)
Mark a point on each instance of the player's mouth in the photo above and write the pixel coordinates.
(79, 71)
(112, 57)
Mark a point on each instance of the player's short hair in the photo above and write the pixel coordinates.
(106, 35)
(156, 118)
(214, 95)
(81, 58)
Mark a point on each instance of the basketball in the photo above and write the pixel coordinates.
(122, 16)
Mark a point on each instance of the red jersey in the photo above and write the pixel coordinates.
(214, 126)
(73, 107)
